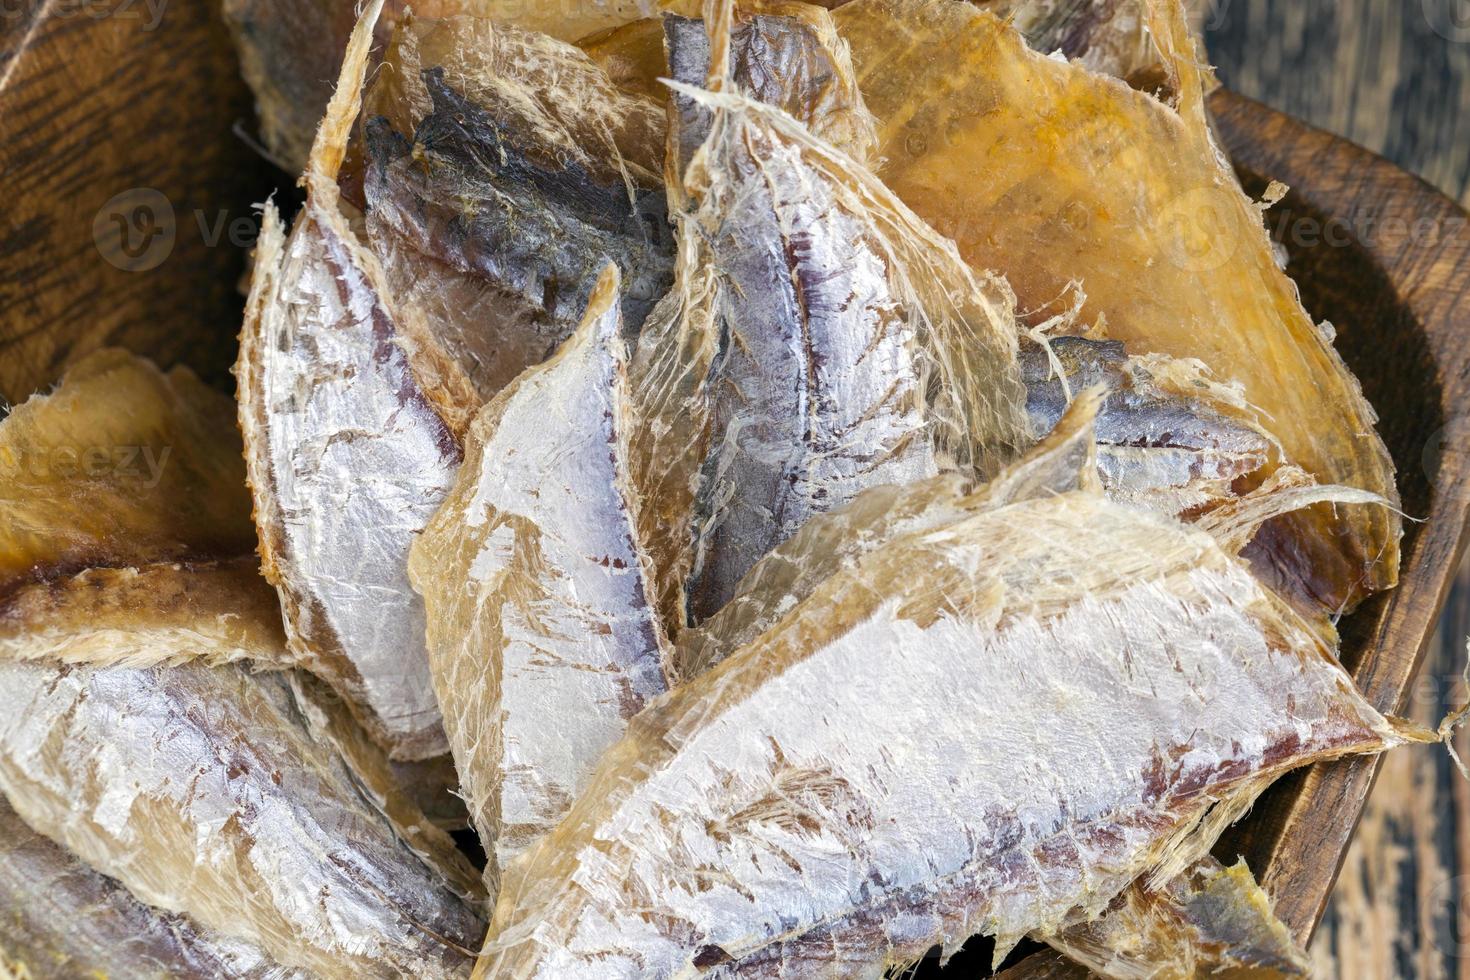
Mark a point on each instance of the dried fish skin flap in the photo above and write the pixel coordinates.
(217, 613)
(1169, 437)
(1208, 920)
(854, 349)
(202, 791)
(347, 459)
(879, 774)
(525, 167)
(121, 464)
(62, 919)
(542, 639)
(1126, 195)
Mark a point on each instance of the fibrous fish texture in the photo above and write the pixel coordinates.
(64, 920)
(542, 638)
(526, 168)
(1126, 195)
(202, 791)
(852, 350)
(1168, 436)
(120, 464)
(1067, 694)
(1210, 919)
(347, 459)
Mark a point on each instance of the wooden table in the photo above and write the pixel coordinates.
(1394, 76)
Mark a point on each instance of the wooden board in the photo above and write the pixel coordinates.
(122, 178)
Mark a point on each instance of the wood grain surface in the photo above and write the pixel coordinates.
(126, 193)
(1394, 76)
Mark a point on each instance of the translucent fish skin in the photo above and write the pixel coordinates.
(64, 920)
(878, 774)
(466, 191)
(346, 458)
(1177, 450)
(347, 463)
(1127, 196)
(121, 464)
(202, 791)
(542, 638)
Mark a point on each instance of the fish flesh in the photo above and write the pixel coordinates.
(63, 920)
(347, 459)
(1169, 437)
(849, 790)
(839, 317)
(1127, 196)
(201, 789)
(120, 464)
(542, 639)
(529, 170)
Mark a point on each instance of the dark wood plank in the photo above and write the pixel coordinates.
(117, 116)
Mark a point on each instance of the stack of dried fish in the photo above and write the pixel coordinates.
(806, 520)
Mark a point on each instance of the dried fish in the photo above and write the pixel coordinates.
(64, 920)
(542, 640)
(1208, 920)
(839, 319)
(1166, 434)
(1126, 195)
(120, 464)
(529, 170)
(347, 459)
(848, 791)
(202, 791)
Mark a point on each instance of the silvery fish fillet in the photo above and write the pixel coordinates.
(347, 459)
(201, 789)
(541, 637)
(838, 318)
(1164, 437)
(63, 920)
(1063, 695)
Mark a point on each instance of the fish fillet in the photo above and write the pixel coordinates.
(542, 640)
(1067, 694)
(121, 463)
(64, 920)
(1052, 174)
(347, 459)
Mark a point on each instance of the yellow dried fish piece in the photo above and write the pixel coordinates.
(541, 637)
(64, 920)
(154, 615)
(347, 458)
(1208, 920)
(1065, 695)
(1052, 174)
(202, 791)
(120, 464)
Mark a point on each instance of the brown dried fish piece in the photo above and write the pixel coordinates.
(347, 458)
(64, 920)
(1168, 437)
(1067, 694)
(517, 194)
(1208, 920)
(1127, 196)
(852, 351)
(784, 54)
(202, 790)
(121, 464)
(542, 640)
